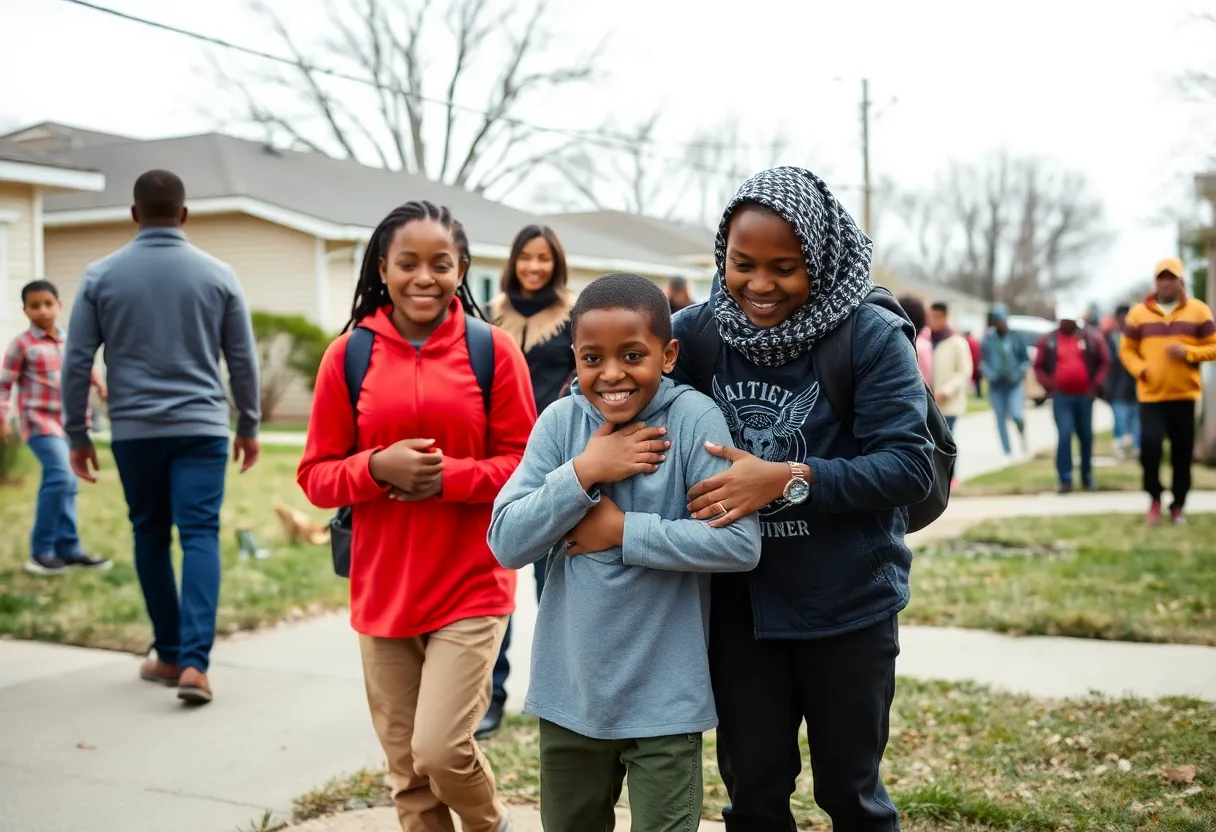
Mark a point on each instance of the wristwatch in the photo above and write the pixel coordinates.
(797, 490)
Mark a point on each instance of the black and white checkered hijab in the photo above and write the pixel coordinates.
(837, 258)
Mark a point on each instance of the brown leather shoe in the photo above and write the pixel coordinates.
(193, 687)
(154, 670)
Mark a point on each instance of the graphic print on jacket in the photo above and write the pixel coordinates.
(766, 420)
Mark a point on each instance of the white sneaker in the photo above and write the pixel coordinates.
(1009, 459)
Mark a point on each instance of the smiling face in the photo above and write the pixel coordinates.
(422, 271)
(766, 273)
(42, 308)
(620, 361)
(534, 266)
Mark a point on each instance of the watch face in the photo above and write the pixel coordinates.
(797, 491)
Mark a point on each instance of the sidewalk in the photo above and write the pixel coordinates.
(84, 745)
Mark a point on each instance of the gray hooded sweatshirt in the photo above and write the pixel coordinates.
(620, 649)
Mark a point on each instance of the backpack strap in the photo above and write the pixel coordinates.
(832, 356)
(705, 345)
(358, 357)
(479, 338)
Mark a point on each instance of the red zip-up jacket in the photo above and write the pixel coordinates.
(417, 567)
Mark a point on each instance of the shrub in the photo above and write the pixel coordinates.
(289, 349)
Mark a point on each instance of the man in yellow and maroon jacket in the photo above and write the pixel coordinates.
(1164, 341)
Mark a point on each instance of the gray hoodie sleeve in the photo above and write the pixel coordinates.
(692, 545)
(540, 503)
(84, 338)
(241, 355)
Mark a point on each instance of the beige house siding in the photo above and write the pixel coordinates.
(20, 255)
(277, 266)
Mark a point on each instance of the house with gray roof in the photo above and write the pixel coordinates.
(292, 224)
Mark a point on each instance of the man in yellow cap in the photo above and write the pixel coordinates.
(1164, 341)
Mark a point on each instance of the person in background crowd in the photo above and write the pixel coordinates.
(812, 634)
(534, 309)
(1121, 392)
(1165, 339)
(1003, 363)
(678, 294)
(915, 308)
(977, 378)
(421, 471)
(165, 312)
(1071, 364)
(32, 365)
(952, 368)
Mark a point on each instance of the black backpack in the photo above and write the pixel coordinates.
(833, 362)
(480, 341)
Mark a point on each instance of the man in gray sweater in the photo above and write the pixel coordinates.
(165, 312)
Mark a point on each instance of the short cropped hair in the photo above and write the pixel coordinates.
(915, 308)
(940, 306)
(159, 195)
(626, 291)
(38, 286)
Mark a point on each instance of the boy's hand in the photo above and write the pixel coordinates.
(82, 460)
(246, 451)
(413, 466)
(403, 496)
(616, 454)
(6, 431)
(1177, 351)
(601, 529)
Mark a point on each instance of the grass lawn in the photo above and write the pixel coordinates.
(106, 609)
(963, 757)
(978, 405)
(1038, 475)
(1103, 576)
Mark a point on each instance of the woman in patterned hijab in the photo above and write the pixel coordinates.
(811, 635)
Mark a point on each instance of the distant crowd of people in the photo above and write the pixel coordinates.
(712, 504)
(1143, 360)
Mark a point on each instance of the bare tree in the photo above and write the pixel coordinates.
(1013, 229)
(421, 57)
(692, 179)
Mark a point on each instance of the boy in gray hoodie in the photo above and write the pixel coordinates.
(620, 674)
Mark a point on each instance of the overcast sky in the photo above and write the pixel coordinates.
(1072, 79)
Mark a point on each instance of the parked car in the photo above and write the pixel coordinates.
(1032, 329)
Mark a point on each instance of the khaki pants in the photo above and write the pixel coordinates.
(427, 695)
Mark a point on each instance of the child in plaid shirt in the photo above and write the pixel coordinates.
(32, 364)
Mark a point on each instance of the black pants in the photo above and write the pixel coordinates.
(841, 686)
(1177, 421)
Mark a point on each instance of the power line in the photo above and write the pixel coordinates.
(599, 139)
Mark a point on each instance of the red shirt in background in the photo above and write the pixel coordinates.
(417, 567)
(1072, 374)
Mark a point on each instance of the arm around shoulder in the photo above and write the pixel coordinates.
(683, 544)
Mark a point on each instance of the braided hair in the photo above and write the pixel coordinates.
(371, 293)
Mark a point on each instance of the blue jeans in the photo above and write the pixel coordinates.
(1127, 421)
(1007, 403)
(177, 481)
(54, 531)
(1074, 415)
(502, 666)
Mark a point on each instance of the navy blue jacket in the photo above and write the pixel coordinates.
(838, 562)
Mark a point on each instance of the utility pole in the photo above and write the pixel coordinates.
(865, 155)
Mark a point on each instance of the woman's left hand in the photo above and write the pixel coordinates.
(748, 485)
(401, 495)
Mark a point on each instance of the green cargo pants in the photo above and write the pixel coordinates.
(581, 778)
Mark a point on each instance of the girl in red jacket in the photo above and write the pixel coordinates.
(428, 599)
